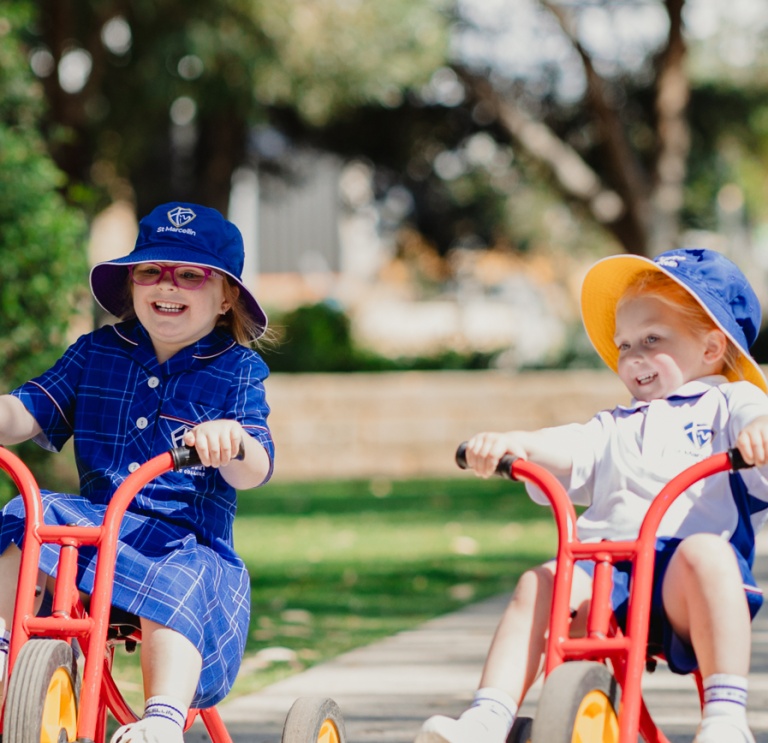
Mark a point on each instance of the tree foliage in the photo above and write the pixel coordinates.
(174, 94)
(43, 265)
(621, 153)
(42, 240)
(173, 88)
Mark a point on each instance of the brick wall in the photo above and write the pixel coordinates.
(408, 424)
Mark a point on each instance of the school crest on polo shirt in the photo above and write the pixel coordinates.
(699, 434)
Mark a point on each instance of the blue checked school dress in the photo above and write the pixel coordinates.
(176, 563)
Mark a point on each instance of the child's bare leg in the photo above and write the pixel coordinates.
(171, 667)
(516, 656)
(10, 561)
(9, 578)
(704, 601)
(170, 663)
(513, 664)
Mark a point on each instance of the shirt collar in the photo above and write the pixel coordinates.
(694, 388)
(217, 342)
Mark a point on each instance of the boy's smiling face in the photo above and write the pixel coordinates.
(659, 351)
(175, 317)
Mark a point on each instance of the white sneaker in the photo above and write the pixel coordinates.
(441, 729)
(149, 730)
(723, 729)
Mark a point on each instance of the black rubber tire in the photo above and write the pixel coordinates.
(314, 720)
(44, 674)
(560, 717)
(522, 730)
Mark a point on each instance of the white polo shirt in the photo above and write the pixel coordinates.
(622, 458)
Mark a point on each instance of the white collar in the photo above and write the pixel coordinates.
(694, 388)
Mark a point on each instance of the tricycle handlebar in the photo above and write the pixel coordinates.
(504, 467)
(187, 456)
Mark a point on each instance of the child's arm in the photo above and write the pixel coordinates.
(217, 443)
(752, 442)
(484, 450)
(16, 423)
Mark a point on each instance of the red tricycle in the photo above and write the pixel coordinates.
(592, 684)
(47, 699)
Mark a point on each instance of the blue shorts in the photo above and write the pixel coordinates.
(661, 637)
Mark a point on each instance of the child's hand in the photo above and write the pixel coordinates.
(484, 450)
(217, 442)
(752, 442)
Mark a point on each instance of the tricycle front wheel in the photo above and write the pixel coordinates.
(578, 704)
(41, 704)
(314, 720)
(521, 731)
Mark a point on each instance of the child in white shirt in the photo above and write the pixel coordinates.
(677, 330)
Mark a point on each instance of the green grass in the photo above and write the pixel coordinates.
(337, 565)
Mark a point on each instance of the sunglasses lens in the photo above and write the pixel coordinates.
(189, 277)
(185, 277)
(146, 274)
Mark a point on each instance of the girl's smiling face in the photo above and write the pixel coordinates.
(658, 350)
(176, 317)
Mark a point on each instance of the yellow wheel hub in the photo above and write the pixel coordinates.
(60, 709)
(328, 733)
(596, 720)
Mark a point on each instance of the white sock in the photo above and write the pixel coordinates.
(725, 694)
(168, 708)
(5, 641)
(494, 709)
(163, 722)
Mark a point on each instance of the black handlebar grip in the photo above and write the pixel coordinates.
(187, 456)
(461, 455)
(503, 468)
(737, 461)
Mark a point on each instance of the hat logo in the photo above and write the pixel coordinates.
(180, 216)
(670, 261)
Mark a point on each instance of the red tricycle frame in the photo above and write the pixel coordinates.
(603, 640)
(69, 618)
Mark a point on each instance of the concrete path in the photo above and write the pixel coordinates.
(387, 689)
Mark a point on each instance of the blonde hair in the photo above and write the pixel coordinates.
(677, 297)
(244, 329)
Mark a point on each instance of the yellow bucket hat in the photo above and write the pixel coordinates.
(710, 278)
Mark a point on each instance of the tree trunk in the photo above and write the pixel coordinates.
(638, 204)
(673, 136)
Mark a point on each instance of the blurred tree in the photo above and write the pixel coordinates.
(620, 151)
(42, 240)
(588, 96)
(166, 98)
(158, 97)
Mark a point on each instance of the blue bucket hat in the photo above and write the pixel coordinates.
(710, 278)
(178, 233)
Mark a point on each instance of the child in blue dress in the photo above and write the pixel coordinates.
(677, 331)
(176, 370)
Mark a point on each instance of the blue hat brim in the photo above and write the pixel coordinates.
(109, 280)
